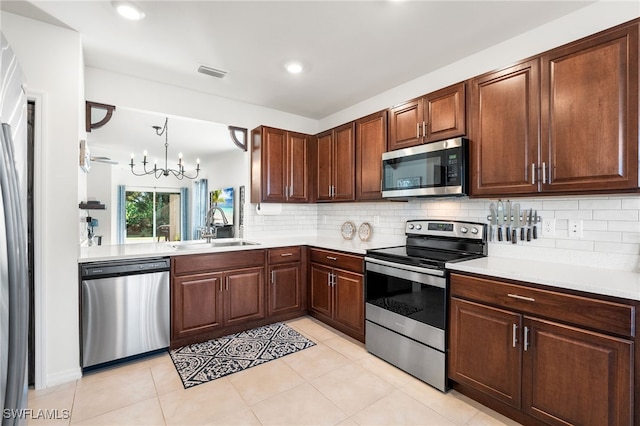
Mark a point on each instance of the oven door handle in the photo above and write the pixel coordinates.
(432, 277)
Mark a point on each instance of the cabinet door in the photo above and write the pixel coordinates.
(298, 167)
(484, 349)
(324, 169)
(590, 113)
(371, 143)
(574, 376)
(349, 300)
(445, 113)
(285, 293)
(405, 125)
(504, 131)
(197, 305)
(320, 298)
(244, 295)
(344, 162)
(274, 164)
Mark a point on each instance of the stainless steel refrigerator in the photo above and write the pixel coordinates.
(14, 303)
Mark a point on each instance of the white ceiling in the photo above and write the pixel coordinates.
(352, 50)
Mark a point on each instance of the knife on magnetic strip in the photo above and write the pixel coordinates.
(516, 224)
(508, 220)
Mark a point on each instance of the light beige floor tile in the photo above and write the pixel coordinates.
(111, 392)
(52, 408)
(302, 405)
(348, 422)
(240, 418)
(486, 415)
(315, 361)
(447, 405)
(385, 371)
(260, 382)
(313, 329)
(352, 387)
(347, 346)
(143, 413)
(123, 368)
(37, 393)
(201, 404)
(165, 376)
(399, 409)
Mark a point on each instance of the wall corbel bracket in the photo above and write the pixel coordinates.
(239, 131)
(90, 107)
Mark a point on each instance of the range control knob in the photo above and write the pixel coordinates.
(410, 226)
(418, 227)
(474, 230)
(464, 230)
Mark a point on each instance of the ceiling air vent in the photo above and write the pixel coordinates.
(211, 71)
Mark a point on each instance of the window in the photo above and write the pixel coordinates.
(152, 215)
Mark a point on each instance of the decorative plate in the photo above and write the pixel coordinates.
(348, 230)
(364, 232)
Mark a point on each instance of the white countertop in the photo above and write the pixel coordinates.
(608, 282)
(160, 249)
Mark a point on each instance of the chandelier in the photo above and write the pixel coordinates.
(166, 171)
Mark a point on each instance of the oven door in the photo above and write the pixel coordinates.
(408, 300)
(435, 169)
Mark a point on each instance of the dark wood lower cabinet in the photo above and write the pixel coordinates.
(285, 288)
(336, 295)
(244, 296)
(197, 304)
(539, 370)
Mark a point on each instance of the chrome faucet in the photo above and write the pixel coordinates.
(211, 231)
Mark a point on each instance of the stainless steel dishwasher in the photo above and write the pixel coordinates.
(124, 309)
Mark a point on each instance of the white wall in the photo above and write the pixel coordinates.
(51, 59)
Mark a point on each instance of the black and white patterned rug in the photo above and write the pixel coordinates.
(202, 362)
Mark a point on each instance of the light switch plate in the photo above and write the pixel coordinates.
(575, 228)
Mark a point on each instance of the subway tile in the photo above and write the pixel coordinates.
(621, 248)
(624, 226)
(560, 205)
(575, 245)
(615, 237)
(574, 214)
(615, 215)
(631, 203)
(595, 225)
(631, 237)
(599, 204)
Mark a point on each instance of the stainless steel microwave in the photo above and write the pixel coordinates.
(434, 169)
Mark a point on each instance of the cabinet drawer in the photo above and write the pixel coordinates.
(284, 255)
(196, 263)
(339, 260)
(612, 317)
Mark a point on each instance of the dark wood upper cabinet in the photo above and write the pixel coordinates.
(371, 143)
(504, 111)
(589, 121)
(335, 164)
(563, 122)
(279, 166)
(436, 116)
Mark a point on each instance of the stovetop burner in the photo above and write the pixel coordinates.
(432, 244)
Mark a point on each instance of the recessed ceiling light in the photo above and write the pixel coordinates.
(294, 67)
(128, 10)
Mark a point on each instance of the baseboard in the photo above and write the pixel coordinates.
(62, 377)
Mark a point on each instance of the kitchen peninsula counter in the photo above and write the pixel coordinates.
(602, 281)
(161, 249)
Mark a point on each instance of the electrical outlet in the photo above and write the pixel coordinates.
(575, 228)
(549, 226)
(376, 220)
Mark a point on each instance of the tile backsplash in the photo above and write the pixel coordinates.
(610, 238)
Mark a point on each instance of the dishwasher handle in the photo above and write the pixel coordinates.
(121, 268)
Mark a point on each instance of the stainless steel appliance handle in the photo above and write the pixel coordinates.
(432, 277)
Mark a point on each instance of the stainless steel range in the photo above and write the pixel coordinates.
(406, 295)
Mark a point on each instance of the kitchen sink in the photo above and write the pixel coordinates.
(202, 244)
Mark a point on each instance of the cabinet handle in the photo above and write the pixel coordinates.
(290, 191)
(273, 277)
(329, 279)
(424, 129)
(533, 173)
(417, 130)
(220, 286)
(333, 279)
(332, 258)
(526, 338)
(544, 172)
(227, 284)
(515, 335)
(286, 254)
(515, 296)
